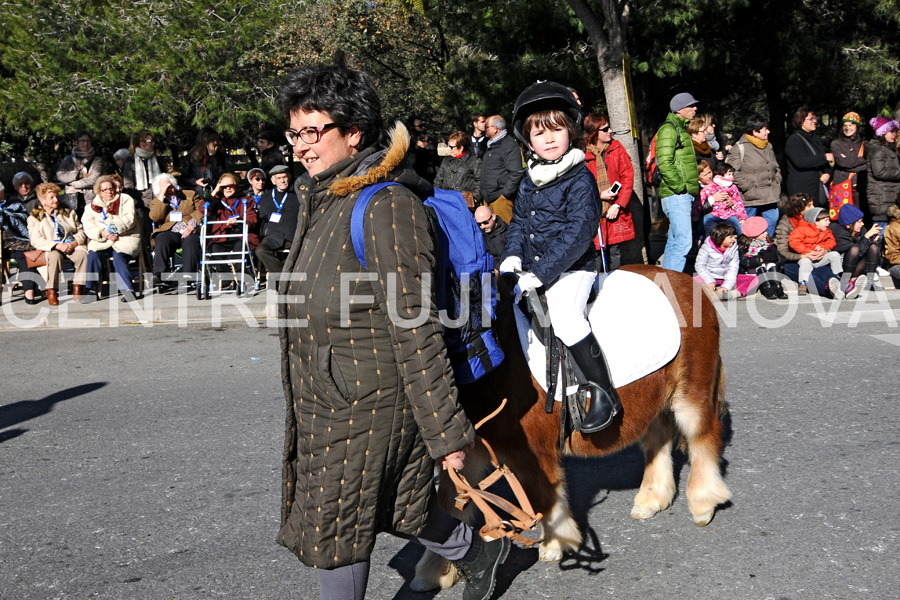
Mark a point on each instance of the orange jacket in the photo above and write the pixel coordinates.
(806, 236)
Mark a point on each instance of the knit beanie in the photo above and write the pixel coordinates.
(811, 215)
(852, 117)
(849, 215)
(754, 226)
(882, 125)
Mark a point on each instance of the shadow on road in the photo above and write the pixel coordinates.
(25, 410)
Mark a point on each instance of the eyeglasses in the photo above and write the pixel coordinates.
(147, 141)
(811, 119)
(604, 129)
(229, 185)
(107, 190)
(488, 222)
(452, 147)
(309, 135)
(83, 140)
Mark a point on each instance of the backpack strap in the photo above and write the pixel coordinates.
(357, 219)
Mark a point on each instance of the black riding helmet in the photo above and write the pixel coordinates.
(544, 95)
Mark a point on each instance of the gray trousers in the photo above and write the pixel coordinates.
(444, 535)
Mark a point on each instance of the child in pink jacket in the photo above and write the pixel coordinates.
(731, 210)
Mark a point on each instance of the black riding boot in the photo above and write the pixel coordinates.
(605, 404)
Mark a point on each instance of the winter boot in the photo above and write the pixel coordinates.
(52, 298)
(605, 404)
(768, 290)
(479, 566)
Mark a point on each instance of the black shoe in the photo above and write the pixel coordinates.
(35, 300)
(128, 296)
(479, 566)
(605, 403)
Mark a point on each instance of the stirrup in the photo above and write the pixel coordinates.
(598, 396)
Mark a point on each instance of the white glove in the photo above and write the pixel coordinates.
(527, 282)
(511, 264)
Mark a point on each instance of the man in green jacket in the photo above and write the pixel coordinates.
(680, 183)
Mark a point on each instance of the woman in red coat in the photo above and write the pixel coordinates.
(609, 162)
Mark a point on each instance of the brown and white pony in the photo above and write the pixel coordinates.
(683, 400)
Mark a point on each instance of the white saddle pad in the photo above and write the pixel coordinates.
(632, 319)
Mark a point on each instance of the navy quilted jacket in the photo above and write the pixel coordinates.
(553, 227)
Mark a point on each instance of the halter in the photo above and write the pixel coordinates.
(521, 519)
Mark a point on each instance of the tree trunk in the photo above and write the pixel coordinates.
(609, 46)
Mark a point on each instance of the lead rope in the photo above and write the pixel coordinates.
(521, 519)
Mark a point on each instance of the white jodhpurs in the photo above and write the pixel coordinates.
(566, 302)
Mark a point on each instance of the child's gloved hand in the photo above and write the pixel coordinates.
(511, 264)
(527, 282)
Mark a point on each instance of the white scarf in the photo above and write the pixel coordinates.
(543, 174)
(144, 176)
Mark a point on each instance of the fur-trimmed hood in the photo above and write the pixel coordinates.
(389, 164)
(894, 212)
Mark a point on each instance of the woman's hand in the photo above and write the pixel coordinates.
(712, 285)
(873, 232)
(199, 183)
(112, 237)
(607, 195)
(187, 231)
(829, 157)
(456, 459)
(824, 177)
(613, 213)
(232, 221)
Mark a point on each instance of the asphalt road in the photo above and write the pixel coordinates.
(142, 463)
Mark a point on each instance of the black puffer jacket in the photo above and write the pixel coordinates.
(554, 226)
(501, 170)
(884, 179)
(461, 174)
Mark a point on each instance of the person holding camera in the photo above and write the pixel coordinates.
(610, 163)
(204, 164)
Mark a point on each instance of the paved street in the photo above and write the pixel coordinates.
(143, 462)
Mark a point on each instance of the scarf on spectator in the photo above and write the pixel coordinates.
(702, 148)
(602, 177)
(112, 208)
(460, 155)
(496, 139)
(146, 168)
(14, 219)
(542, 174)
(761, 144)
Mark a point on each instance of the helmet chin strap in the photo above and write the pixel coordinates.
(538, 161)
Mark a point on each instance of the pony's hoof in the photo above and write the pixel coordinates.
(550, 552)
(642, 512)
(702, 520)
(420, 584)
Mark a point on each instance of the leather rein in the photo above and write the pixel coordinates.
(520, 519)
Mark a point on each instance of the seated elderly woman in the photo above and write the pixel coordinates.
(112, 229)
(177, 215)
(58, 232)
(23, 185)
(227, 212)
(14, 223)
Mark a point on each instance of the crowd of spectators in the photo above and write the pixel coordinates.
(111, 211)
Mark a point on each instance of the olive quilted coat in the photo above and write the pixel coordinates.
(371, 401)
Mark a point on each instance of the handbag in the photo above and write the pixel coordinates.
(841, 193)
(838, 195)
(35, 258)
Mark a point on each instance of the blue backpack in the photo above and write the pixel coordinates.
(461, 254)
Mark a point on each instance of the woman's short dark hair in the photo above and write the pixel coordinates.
(593, 123)
(800, 115)
(720, 232)
(796, 204)
(347, 95)
(756, 123)
(460, 139)
(722, 168)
